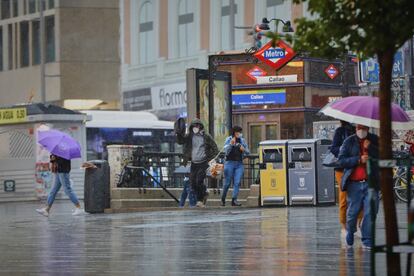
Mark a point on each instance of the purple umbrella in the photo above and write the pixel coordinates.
(364, 110)
(59, 144)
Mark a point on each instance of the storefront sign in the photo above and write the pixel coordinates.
(137, 100)
(13, 115)
(331, 71)
(170, 96)
(277, 79)
(255, 73)
(369, 68)
(252, 97)
(277, 56)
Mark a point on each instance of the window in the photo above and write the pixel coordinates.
(146, 33)
(32, 6)
(15, 8)
(255, 137)
(186, 38)
(51, 4)
(43, 3)
(271, 132)
(5, 9)
(35, 42)
(1, 48)
(10, 45)
(280, 9)
(225, 24)
(24, 44)
(50, 38)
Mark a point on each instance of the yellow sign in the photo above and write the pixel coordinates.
(13, 115)
(295, 64)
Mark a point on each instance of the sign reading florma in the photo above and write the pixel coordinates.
(276, 57)
(331, 71)
(251, 97)
(256, 72)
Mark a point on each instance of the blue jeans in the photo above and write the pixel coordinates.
(62, 179)
(357, 198)
(187, 192)
(233, 171)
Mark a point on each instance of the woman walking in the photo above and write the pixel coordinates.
(61, 167)
(235, 148)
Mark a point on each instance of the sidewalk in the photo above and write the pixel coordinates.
(227, 241)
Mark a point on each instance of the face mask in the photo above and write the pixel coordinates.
(361, 133)
(240, 136)
(196, 130)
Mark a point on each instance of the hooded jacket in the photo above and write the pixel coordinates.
(187, 142)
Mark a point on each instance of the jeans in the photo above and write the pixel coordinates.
(357, 198)
(187, 192)
(62, 179)
(233, 171)
(197, 175)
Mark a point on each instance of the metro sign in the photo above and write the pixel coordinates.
(331, 71)
(276, 57)
(256, 72)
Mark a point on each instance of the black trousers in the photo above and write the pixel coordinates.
(197, 175)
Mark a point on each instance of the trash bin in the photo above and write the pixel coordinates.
(273, 172)
(96, 191)
(309, 181)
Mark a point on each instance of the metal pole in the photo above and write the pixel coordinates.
(411, 83)
(42, 54)
(232, 23)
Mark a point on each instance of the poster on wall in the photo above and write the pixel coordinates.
(213, 110)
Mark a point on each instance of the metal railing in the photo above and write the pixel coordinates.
(153, 169)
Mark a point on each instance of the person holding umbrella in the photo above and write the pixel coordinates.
(63, 148)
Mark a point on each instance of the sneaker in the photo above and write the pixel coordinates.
(234, 202)
(43, 212)
(358, 233)
(78, 212)
(366, 247)
(200, 204)
(346, 243)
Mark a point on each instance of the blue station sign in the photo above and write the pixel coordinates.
(259, 97)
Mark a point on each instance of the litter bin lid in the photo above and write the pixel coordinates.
(303, 141)
(273, 142)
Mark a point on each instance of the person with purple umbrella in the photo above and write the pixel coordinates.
(353, 157)
(63, 148)
(62, 169)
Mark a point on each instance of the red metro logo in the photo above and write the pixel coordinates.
(277, 56)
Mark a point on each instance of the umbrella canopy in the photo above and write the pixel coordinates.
(364, 110)
(59, 144)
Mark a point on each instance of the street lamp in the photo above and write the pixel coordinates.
(287, 26)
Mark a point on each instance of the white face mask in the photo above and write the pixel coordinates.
(362, 133)
(239, 135)
(196, 130)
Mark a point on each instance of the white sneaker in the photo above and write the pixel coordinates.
(43, 212)
(200, 204)
(367, 248)
(358, 233)
(78, 212)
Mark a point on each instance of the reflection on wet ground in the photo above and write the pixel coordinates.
(228, 241)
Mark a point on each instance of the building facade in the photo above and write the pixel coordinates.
(160, 39)
(82, 52)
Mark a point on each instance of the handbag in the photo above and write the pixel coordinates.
(330, 160)
(215, 169)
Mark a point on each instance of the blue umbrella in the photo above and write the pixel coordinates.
(59, 144)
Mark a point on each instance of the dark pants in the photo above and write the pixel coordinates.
(197, 175)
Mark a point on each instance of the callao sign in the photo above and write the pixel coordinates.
(256, 72)
(277, 56)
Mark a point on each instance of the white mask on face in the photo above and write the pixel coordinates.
(196, 130)
(362, 133)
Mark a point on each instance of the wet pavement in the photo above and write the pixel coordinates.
(226, 241)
